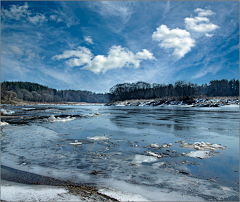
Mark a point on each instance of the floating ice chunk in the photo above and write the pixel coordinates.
(164, 146)
(157, 165)
(203, 146)
(98, 138)
(76, 143)
(199, 154)
(154, 145)
(8, 112)
(142, 158)
(52, 118)
(28, 108)
(218, 146)
(3, 123)
(181, 142)
(153, 154)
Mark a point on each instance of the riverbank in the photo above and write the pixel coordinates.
(32, 187)
(17, 102)
(194, 102)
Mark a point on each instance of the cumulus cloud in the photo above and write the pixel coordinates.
(77, 57)
(16, 12)
(178, 39)
(11, 50)
(88, 39)
(200, 23)
(202, 12)
(118, 57)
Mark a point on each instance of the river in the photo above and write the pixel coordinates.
(129, 151)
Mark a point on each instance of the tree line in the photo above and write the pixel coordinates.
(29, 91)
(181, 90)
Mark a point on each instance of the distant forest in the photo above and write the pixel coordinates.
(180, 90)
(127, 91)
(35, 92)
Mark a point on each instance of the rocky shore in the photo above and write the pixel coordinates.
(195, 102)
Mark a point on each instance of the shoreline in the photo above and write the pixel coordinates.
(191, 102)
(17, 102)
(16, 179)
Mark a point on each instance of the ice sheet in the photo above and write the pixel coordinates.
(19, 192)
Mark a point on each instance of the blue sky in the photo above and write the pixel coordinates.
(93, 45)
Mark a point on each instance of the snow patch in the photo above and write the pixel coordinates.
(122, 196)
(18, 192)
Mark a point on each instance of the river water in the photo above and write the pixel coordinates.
(115, 153)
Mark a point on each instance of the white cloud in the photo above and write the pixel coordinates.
(122, 9)
(207, 70)
(55, 18)
(202, 12)
(178, 39)
(31, 55)
(39, 18)
(17, 12)
(10, 50)
(88, 39)
(209, 35)
(118, 57)
(200, 23)
(78, 57)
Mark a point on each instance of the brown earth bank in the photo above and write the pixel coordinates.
(16, 102)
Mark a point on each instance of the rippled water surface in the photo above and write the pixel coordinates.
(118, 158)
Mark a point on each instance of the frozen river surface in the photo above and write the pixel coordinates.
(129, 152)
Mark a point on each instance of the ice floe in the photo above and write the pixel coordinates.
(144, 159)
(76, 143)
(203, 146)
(52, 118)
(154, 145)
(3, 123)
(98, 138)
(153, 154)
(157, 165)
(7, 112)
(199, 154)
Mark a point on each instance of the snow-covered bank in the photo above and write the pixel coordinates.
(190, 103)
